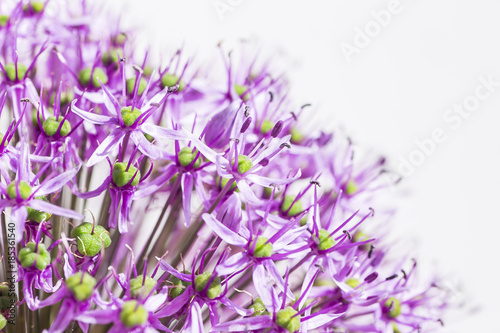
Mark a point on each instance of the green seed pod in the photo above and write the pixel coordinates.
(223, 182)
(131, 86)
(86, 77)
(90, 244)
(24, 190)
(4, 19)
(119, 39)
(215, 288)
(266, 127)
(112, 57)
(133, 314)
(130, 115)
(296, 209)
(138, 289)
(352, 282)
(297, 137)
(284, 319)
(181, 286)
(244, 164)
(82, 289)
(1, 139)
(51, 124)
(262, 249)
(3, 321)
(258, 307)
(37, 215)
(394, 307)
(36, 6)
(395, 329)
(187, 156)
(12, 75)
(170, 80)
(66, 97)
(29, 257)
(242, 92)
(351, 187)
(325, 240)
(122, 176)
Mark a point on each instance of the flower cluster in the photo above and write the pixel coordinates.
(141, 197)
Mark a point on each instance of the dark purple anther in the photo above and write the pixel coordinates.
(246, 124)
(372, 277)
(277, 129)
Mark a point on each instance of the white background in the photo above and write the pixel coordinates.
(395, 91)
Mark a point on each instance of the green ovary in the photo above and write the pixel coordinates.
(137, 288)
(133, 314)
(90, 242)
(24, 190)
(262, 249)
(295, 209)
(86, 77)
(285, 318)
(51, 125)
(82, 288)
(129, 115)
(122, 176)
(10, 70)
(215, 288)
(31, 258)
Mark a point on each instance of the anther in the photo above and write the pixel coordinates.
(285, 144)
(347, 233)
(391, 277)
(315, 182)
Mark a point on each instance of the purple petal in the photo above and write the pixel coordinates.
(247, 193)
(233, 264)
(169, 269)
(224, 232)
(245, 324)
(187, 189)
(56, 183)
(103, 150)
(101, 316)
(18, 215)
(95, 192)
(162, 132)
(53, 209)
(230, 304)
(146, 147)
(93, 118)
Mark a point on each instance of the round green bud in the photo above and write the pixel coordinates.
(352, 282)
(131, 86)
(66, 97)
(4, 19)
(297, 137)
(142, 287)
(24, 190)
(5, 143)
(284, 319)
(187, 156)
(325, 240)
(215, 288)
(51, 124)
(12, 74)
(3, 321)
(394, 307)
(36, 6)
(133, 314)
(262, 249)
(37, 215)
(86, 77)
(222, 181)
(258, 307)
(122, 176)
(149, 137)
(82, 288)
(180, 286)
(351, 187)
(266, 127)
(29, 257)
(110, 57)
(244, 164)
(147, 71)
(130, 115)
(119, 39)
(170, 80)
(295, 209)
(242, 92)
(90, 243)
